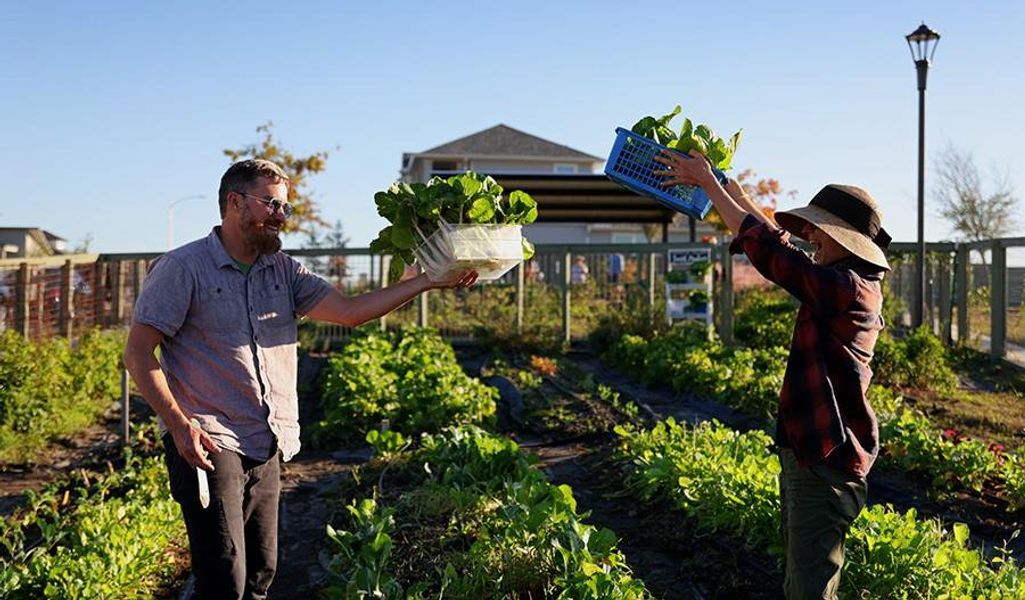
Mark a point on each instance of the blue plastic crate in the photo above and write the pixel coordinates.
(631, 164)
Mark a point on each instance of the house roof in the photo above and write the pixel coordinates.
(43, 239)
(502, 140)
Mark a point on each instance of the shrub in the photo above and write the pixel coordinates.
(50, 389)
(410, 378)
(764, 318)
(918, 360)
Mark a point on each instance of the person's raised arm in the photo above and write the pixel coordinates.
(736, 191)
(142, 365)
(695, 171)
(352, 311)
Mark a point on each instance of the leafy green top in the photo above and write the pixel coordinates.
(421, 207)
(701, 138)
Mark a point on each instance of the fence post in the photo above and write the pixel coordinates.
(998, 301)
(23, 309)
(651, 281)
(66, 298)
(140, 276)
(961, 291)
(99, 294)
(117, 292)
(928, 314)
(945, 307)
(520, 278)
(125, 417)
(567, 264)
(424, 309)
(383, 283)
(726, 310)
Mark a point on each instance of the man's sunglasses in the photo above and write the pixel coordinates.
(272, 203)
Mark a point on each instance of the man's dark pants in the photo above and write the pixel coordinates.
(234, 541)
(818, 506)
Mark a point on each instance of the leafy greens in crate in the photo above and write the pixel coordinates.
(417, 210)
(701, 138)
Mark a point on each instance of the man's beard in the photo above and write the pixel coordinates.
(256, 235)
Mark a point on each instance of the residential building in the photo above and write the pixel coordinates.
(21, 242)
(560, 178)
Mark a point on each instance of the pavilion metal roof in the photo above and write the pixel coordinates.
(585, 198)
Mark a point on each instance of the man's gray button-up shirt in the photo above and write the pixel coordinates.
(229, 350)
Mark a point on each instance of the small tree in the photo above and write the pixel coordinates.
(765, 193)
(334, 268)
(973, 214)
(306, 215)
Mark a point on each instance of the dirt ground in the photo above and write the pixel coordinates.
(90, 448)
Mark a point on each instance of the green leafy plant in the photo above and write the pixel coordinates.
(386, 443)
(699, 269)
(50, 389)
(410, 378)
(719, 152)
(698, 298)
(93, 535)
(363, 550)
(499, 529)
(416, 210)
(917, 360)
(726, 481)
(677, 277)
(764, 318)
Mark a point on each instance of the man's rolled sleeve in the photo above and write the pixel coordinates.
(166, 296)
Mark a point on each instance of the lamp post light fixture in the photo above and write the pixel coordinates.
(922, 42)
(170, 216)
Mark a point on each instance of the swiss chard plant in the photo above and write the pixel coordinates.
(727, 481)
(699, 137)
(495, 528)
(416, 210)
(410, 377)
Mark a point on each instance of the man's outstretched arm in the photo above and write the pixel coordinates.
(352, 311)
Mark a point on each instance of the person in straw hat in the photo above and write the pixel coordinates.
(826, 430)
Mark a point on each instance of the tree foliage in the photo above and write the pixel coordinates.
(307, 213)
(766, 193)
(974, 213)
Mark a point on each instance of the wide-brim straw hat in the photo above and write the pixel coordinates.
(848, 215)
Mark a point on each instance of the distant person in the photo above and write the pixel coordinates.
(223, 311)
(826, 430)
(616, 263)
(579, 271)
(534, 272)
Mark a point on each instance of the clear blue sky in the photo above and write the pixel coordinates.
(109, 111)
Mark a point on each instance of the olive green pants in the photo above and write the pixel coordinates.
(818, 505)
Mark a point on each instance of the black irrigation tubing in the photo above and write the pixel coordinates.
(594, 436)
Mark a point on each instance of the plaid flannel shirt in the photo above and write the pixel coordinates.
(824, 414)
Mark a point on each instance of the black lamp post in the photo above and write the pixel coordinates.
(922, 42)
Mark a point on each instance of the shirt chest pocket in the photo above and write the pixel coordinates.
(275, 316)
(220, 308)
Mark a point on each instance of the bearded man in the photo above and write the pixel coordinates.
(223, 311)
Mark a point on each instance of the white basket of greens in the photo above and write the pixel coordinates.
(455, 224)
